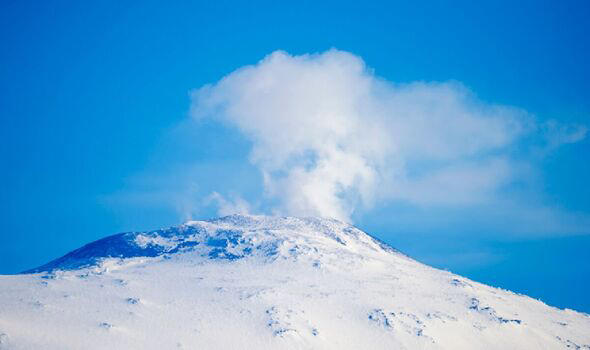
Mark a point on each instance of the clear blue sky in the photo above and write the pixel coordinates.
(93, 94)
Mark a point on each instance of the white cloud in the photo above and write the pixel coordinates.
(465, 183)
(234, 205)
(558, 134)
(330, 137)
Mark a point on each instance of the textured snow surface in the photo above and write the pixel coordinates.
(254, 282)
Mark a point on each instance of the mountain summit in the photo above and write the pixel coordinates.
(255, 282)
(230, 238)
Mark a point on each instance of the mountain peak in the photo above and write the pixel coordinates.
(229, 238)
(262, 282)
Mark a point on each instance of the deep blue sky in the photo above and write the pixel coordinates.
(92, 93)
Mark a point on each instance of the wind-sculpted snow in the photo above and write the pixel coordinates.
(253, 282)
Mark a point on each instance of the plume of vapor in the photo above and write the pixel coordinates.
(226, 206)
(330, 137)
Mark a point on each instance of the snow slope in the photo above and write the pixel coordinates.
(255, 282)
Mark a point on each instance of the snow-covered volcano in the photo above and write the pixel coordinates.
(255, 282)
